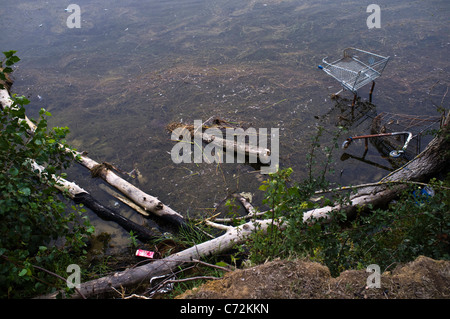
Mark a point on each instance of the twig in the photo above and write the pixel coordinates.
(232, 219)
(136, 296)
(168, 280)
(51, 273)
(218, 226)
(248, 207)
(443, 98)
(191, 278)
(274, 104)
(213, 217)
(344, 188)
(122, 294)
(210, 265)
(62, 278)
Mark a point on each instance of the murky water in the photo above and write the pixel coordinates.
(135, 66)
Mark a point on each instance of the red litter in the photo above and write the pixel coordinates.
(145, 253)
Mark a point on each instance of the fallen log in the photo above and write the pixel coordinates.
(132, 276)
(263, 154)
(147, 202)
(124, 200)
(214, 136)
(142, 233)
(79, 195)
(430, 162)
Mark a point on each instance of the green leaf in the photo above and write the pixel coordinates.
(23, 272)
(7, 70)
(9, 54)
(25, 191)
(14, 59)
(222, 264)
(13, 171)
(22, 100)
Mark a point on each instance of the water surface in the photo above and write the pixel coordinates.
(135, 66)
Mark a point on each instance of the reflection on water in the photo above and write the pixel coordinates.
(135, 66)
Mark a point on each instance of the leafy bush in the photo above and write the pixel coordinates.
(415, 224)
(37, 228)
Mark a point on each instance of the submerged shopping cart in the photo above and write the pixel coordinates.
(356, 69)
(386, 128)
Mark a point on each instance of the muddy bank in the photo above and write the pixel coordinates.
(424, 278)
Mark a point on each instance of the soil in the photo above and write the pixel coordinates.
(424, 278)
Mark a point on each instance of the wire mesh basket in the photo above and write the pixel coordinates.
(356, 69)
(394, 136)
(420, 126)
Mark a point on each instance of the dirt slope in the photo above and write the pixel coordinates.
(285, 279)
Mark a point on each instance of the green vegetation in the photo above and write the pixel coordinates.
(416, 224)
(39, 229)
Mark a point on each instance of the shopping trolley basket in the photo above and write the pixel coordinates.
(356, 69)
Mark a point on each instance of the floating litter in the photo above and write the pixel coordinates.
(144, 253)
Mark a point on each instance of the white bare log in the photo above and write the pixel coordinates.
(78, 194)
(132, 276)
(62, 184)
(6, 102)
(124, 200)
(248, 207)
(147, 202)
(218, 226)
(5, 99)
(232, 146)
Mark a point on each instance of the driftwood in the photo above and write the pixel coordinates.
(214, 136)
(79, 195)
(147, 202)
(235, 147)
(133, 276)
